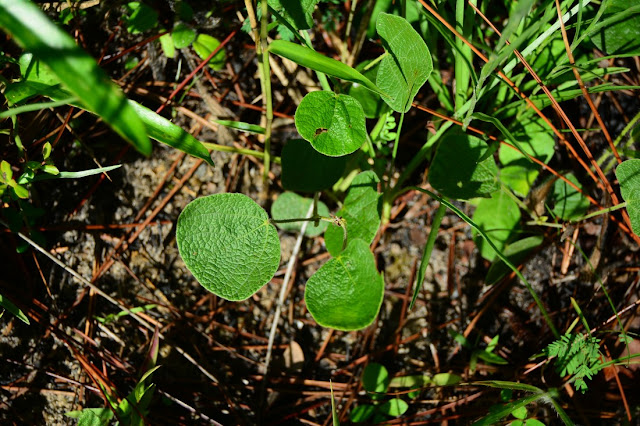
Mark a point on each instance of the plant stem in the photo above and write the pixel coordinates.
(395, 144)
(233, 149)
(603, 211)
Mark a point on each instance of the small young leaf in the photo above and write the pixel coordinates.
(375, 378)
(456, 172)
(228, 243)
(394, 407)
(205, 45)
(568, 203)
(6, 174)
(346, 292)
(361, 210)
(407, 65)
(362, 413)
(306, 170)
(520, 413)
(166, 42)
(417, 381)
(628, 174)
(309, 58)
(333, 124)
(497, 217)
(182, 35)
(446, 379)
(46, 150)
(290, 206)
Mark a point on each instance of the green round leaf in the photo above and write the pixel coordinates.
(334, 124)
(228, 244)
(628, 174)
(205, 45)
(166, 42)
(346, 292)
(520, 413)
(394, 407)
(372, 104)
(408, 63)
(568, 203)
(290, 206)
(623, 35)
(306, 170)
(361, 210)
(497, 216)
(182, 36)
(375, 378)
(456, 170)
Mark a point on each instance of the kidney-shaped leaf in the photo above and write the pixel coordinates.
(74, 67)
(228, 244)
(407, 65)
(361, 210)
(628, 174)
(292, 206)
(456, 170)
(334, 124)
(346, 292)
(306, 170)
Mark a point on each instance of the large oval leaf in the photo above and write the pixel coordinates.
(292, 206)
(334, 124)
(346, 292)
(628, 174)
(306, 170)
(407, 64)
(228, 244)
(361, 210)
(74, 67)
(456, 170)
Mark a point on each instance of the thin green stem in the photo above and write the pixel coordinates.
(34, 107)
(234, 150)
(428, 248)
(395, 144)
(603, 211)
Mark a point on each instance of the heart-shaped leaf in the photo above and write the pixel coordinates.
(228, 244)
(456, 170)
(334, 124)
(628, 174)
(407, 64)
(361, 210)
(346, 292)
(306, 170)
(292, 206)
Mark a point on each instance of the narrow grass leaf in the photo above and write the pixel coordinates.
(12, 308)
(309, 58)
(74, 67)
(240, 125)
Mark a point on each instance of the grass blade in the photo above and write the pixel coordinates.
(74, 67)
(318, 62)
